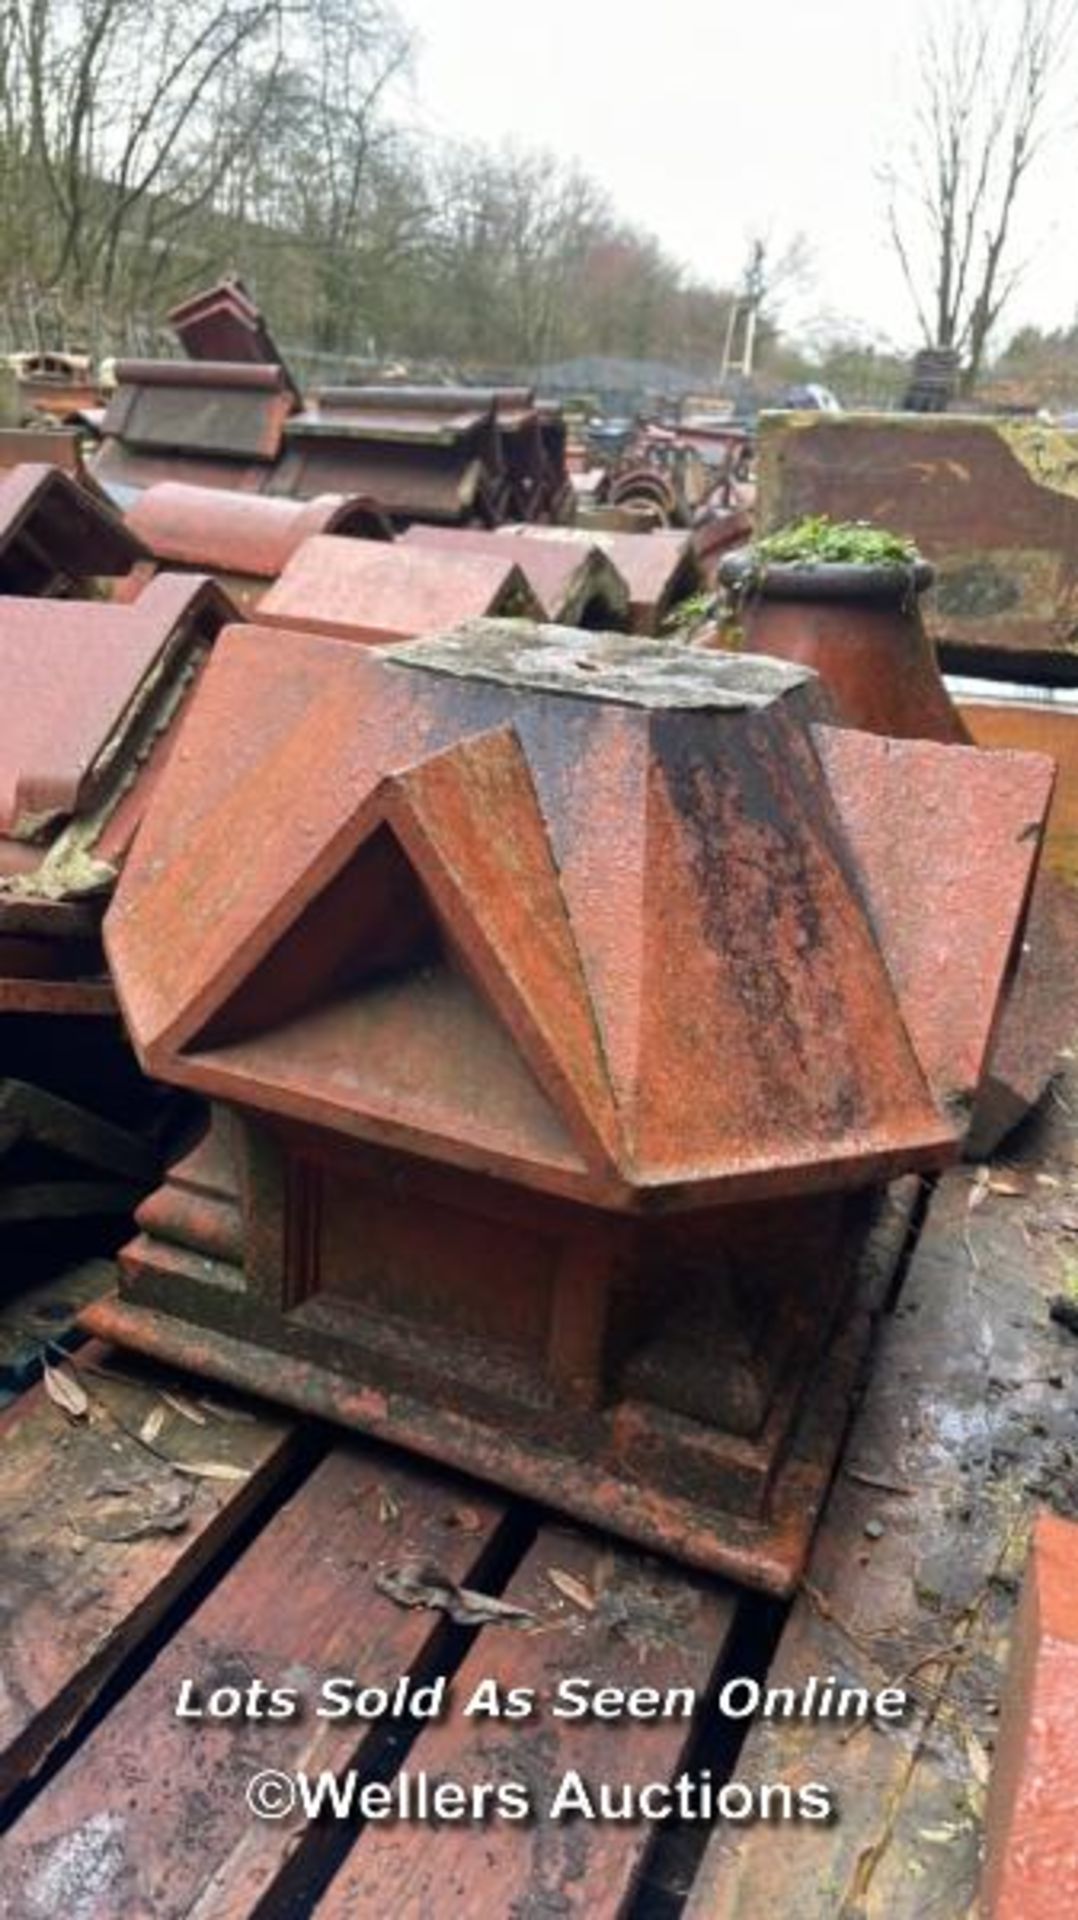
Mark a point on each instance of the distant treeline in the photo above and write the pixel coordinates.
(145, 149)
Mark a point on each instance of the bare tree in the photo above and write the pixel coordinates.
(148, 145)
(121, 103)
(512, 231)
(987, 106)
(345, 182)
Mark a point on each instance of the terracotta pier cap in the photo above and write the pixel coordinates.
(590, 914)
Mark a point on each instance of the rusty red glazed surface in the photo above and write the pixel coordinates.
(570, 579)
(558, 1011)
(877, 661)
(1031, 1867)
(217, 531)
(373, 592)
(658, 568)
(72, 671)
(946, 840)
(330, 805)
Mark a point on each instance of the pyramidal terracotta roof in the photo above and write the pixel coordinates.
(588, 913)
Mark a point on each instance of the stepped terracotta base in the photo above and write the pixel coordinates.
(742, 1503)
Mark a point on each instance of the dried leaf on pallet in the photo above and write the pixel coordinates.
(464, 1519)
(184, 1407)
(210, 1469)
(572, 1589)
(605, 1569)
(66, 1392)
(979, 1764)
(235, 1416)
(138, 1515)
(1013, 1185)
(151, 1426)
(424, 1586)
(979, 1188)
(389, 1509)
(121, 1532)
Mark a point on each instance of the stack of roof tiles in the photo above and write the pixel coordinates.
(92, 690)
(231, 415)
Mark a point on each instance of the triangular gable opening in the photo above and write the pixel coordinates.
(372, 919)
(365, 1007)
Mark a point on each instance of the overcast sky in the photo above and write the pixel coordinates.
(706, 119)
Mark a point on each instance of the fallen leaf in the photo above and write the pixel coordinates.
(878, 1481)
(389, 1510)
(184, 1407)
(1013, 1185)
(138, 1518)
(605, 1569)
(464, 1520)
(211, 1469)
(138, 1527)
(572, 1588)
(152, 1425)
(979, 1188)
(238, 1416)
(66, 1392)
(424, 1586)
(978, 1760)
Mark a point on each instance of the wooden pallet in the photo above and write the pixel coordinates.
(259, 1553)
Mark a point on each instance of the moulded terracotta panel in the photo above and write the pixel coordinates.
(946, 841)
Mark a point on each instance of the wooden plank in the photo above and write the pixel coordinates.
(150, 1815)
(651, 1624)
(968, 1421)
(99, 1536)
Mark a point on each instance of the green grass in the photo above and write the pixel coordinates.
(690, 611)
(818, 541)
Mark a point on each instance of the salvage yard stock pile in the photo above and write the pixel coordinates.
(508, 1011)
